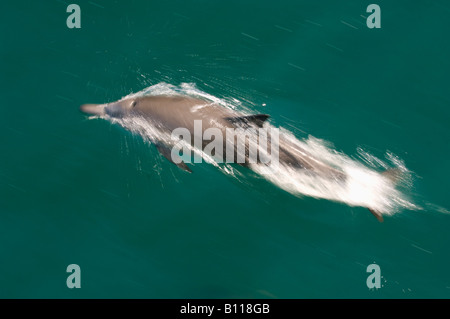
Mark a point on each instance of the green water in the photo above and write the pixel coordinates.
(87, 192)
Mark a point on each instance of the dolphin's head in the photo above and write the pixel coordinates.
(115, 109)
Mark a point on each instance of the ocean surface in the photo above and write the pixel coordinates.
(81, 190)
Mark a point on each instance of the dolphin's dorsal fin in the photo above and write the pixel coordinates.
(166, 152)
(256, 119)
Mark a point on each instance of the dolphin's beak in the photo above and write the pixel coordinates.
(93, 109)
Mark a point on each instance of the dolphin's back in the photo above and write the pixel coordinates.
(173, 112)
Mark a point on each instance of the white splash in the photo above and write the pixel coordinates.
(363, 185)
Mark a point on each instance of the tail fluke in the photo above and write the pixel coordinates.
(377, 215)
(392, 174)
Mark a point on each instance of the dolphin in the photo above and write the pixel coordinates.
(167, 113)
